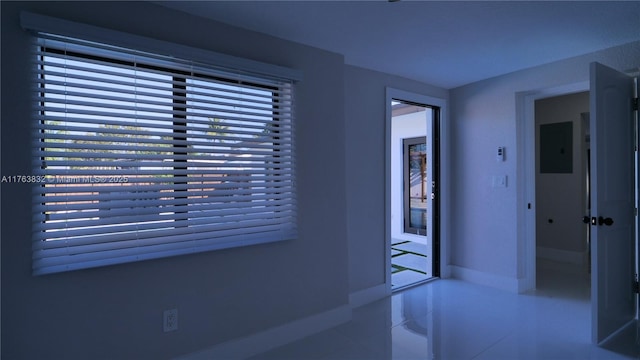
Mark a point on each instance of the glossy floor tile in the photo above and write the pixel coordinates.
(452, 319)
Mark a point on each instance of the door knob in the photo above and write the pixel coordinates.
(606, 221)
(586, 219)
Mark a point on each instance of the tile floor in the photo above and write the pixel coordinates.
(452, 319)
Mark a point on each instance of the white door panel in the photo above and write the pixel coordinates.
(613, 197)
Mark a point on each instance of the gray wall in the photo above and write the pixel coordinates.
(116, 312)
(487, 235)
(561, 196)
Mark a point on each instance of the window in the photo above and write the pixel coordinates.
(141, 156)
(415, 185)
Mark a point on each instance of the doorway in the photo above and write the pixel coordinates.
(611, 181)
(527, 168)
(414, 174)
(562, 195)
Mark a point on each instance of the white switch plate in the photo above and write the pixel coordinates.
(499, 181)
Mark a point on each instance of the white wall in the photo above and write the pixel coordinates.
(116, 312)
(403, 127)
(561, 197)
(488, 233)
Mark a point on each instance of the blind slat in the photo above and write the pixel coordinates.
(164, 211)
(59, 186)
(64, 75)
(179, 245)
(200, 157)
(157, 227)
(171, 200)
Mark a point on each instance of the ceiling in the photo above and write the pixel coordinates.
(443, 43)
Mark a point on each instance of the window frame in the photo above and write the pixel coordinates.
(179, 92)
(406, 184)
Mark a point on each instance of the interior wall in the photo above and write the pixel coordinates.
(365, 109)
(116, 312)
(561, 197)
(488, 239)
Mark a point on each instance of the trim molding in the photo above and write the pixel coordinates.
(368, 295)
(272, 338)
(487, 279)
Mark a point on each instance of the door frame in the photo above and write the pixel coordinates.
(444, 174)
(526, 183)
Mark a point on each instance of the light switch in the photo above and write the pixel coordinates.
(500, 181)
(500, 154)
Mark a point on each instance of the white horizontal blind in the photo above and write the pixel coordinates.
(139, 156)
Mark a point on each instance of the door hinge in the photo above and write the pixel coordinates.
(635, 104)
(636, 286)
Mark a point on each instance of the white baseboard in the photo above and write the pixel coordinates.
(367, 296)
(272, 338)
(483, 278)
(526, 284)
(570, 257)
(445, 271)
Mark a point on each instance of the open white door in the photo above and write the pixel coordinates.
(612, 202)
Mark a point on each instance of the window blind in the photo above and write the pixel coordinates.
(140, 156)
